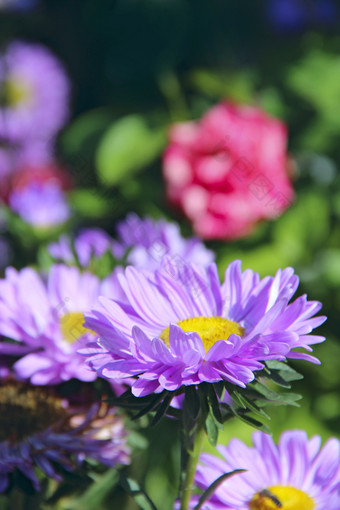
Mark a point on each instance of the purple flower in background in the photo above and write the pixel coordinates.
(40, 204)
(295, 15)
(14, 158)
(295, 474)
(35, 90)
(149, 241)
(182, 327)
(17, 5)
(92, 242)
(144, 243)
(41, 430)
(45, 317)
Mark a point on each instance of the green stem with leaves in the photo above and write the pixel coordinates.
(190, 471)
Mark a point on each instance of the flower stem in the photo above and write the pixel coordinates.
(191, 466)
(171, 89)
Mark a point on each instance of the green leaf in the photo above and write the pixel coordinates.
(324, 95)
(236, 86)
(304, 226)
(245, 403)
(192, 402)
(162, 409)
(90, 203)
(98, 490)
(191, 411)
(144, 404)
(127, 146)
(136, 440)
(251, 421)
(212, 488)
(330, 266)
(282, 373)
(284, 399)
(139, 495)
(154, 403)
(211, 429)
(78, 135)
(272, 397)
(208, 392)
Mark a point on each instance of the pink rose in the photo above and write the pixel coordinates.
(228, 170)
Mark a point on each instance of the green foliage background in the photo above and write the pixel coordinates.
(138, 65)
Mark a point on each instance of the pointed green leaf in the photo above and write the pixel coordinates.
(133, 489)
(211, 429)
(212, 488)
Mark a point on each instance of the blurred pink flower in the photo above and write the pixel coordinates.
(228, 170)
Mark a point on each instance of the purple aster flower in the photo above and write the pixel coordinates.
(41, 430)
(292, 15)
(173, 329)
(36, 92)
(143, 242)
(92, 242)
(295, 474)
(149, 241)
(40, 204)
(45, 318)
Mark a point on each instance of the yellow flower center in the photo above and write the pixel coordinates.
(210, 329)
(71, 325)
(283, 498)
(16, 91)
(27, 410)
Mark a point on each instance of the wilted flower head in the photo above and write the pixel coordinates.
(35, 93)
(45, 318)
(228, 171)
(184, 328)
(296, 474)
(39, 429)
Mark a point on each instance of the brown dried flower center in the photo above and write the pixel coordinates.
(26, 410)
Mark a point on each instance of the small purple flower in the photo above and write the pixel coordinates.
(45, 318)
(295, 474)
(295, 15)
(36, 91)
(179, 326)
(144, 243)
(89, 243)
(150, 241)
(42, 205)
(41, 430)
